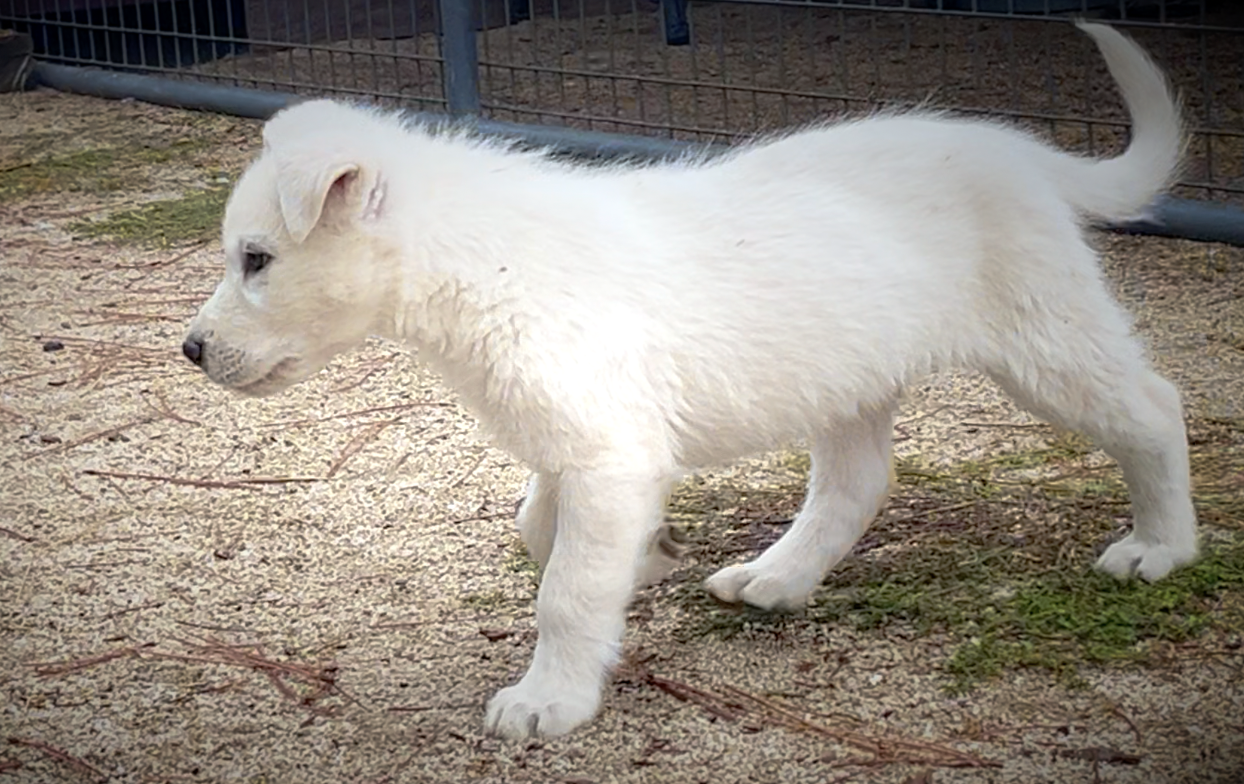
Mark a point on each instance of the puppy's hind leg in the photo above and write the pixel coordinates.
(850, 480)
(537, 517)
(1081, 369)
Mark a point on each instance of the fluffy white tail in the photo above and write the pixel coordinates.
(1119, 188)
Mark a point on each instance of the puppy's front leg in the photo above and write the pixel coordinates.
(605, 520)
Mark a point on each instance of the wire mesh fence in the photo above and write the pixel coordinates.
(699, 71)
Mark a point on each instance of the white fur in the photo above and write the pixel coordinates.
(616, 326)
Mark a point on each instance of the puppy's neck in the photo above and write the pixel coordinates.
(452, 321)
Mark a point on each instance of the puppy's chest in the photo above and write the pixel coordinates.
(512, 411)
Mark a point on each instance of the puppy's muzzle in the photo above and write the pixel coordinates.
(193, 349)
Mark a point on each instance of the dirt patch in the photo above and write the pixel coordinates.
(327, 586)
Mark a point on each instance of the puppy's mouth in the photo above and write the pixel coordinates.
(281, 376)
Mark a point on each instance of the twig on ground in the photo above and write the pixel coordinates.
(61, 755)
(795, 721)
(925, 415)
(166, 411)
(1118, 711)
(935, 510)
(1076, 473)
(211, 688)
(112, 431)
(211, 628)
(28, 376)
(467, 473)
(120, 490)
(481, 517)
(15, 535)
(360, 412)
(72, 340)
(355, 444)
(425, 708)
(1098, 754)
(393, 469)
(71, 487)
(322, 678)
(319, 680)
(128, 610)
(884, 750)
(1006, 425)
(686, 693)
(130, 318)
(229, 456)
(250, 483)
(376, 366)
(145, 375)
(52, 669)
(105, 564)
(153, 266)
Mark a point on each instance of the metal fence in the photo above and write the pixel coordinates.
(698, 71)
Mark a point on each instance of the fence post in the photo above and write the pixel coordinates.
(460, 56)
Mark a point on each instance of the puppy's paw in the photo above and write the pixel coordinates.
(1130, 557)
(664, 554)
(759, 588)
(527, 710)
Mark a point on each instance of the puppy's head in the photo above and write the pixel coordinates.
(308, 268)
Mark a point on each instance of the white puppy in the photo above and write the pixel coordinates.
(616, 326)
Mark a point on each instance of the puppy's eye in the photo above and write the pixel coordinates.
(255, 261)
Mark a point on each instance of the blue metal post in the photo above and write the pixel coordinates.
(460, 55)
(677, 30)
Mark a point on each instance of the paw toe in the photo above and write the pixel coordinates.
(727, 584)
(517, 713)
(1151, 562)
(746, 584)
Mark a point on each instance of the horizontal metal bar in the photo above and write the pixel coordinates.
(1168, 217)
(1190, 219)
(183, 94)
(262, 104)
(212, 80)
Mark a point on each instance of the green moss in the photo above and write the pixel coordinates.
(88, 170)
(100, 170)
(194, 216)
(1066, 618)
(1217, 459)
(997, 555)
(486, 600)
(517, 561)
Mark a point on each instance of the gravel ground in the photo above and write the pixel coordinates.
(326, 586)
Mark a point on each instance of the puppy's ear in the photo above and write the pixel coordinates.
(312, 190)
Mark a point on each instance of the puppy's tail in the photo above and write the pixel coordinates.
(1119, 188)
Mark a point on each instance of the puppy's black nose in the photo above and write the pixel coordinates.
(193, 349)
